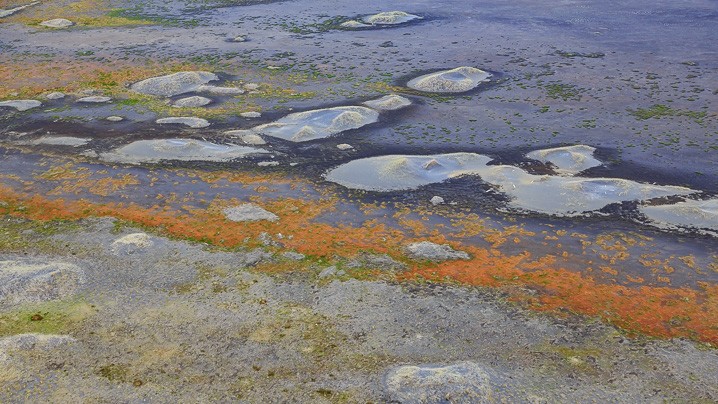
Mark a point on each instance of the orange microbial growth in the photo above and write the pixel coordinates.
(651, 310)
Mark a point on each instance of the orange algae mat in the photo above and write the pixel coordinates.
(536, 282)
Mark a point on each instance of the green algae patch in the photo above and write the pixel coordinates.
(46, 318)
(658, 111)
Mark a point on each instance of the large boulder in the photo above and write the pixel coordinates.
(174, 84)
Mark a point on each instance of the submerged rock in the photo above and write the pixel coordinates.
(21, 105)
(550, 194)
(249, 212)
(569, 160)
(95, 99)
(11, 11)
(250, 114)
(174, 84)
(464, 382)
(190, 121)
(57, 23)
(115, 118)
(701, 216)
(401, 172)
(390, 18)
(239, 38)
(390, 102)
(457, 80)
(61, 141)
(55, 96)
(156, 150)
(318, 123)
(31, 282)
(192, 102)
(426, 250)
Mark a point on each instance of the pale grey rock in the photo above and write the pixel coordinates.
(390, 18)
(457, 80)
(327, 272)
(248, 212)
(700, 216)
(344, 146)
(268, 163)
(464, 382)
(390, 102)
(32, 282)
(192, 102)
(174, 84)
(250, 114)
(569, 160)
(436, 200)
(152, 151)
(192, 122)
(426, 250)
(95, 99)
(115, 118)
(353, 24)
(220, 90)
(294, 256)
(57, 23)
(11, 11)
(252, 139)
(251, 86)
(55, 96)
(239, 38)
(317, 124)
(21, 105)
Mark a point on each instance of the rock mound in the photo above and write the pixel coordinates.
(426, 250)
(457, 80)
(132, 243)
(249, 212)
(153, 151)
(174, 84)
(29, 282)
(390, 18)
(701, 216)
(318, 123)
(569, 160)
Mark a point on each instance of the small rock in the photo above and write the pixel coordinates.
(192, 102)
(248, 212)
(390, 18)
(192, 122)
(327, 272)
(95, 99)
(57, 23)
(294, 256)
(21, 105)
(55, 96)
(174, 84)
(437, 200)
(344, 146)
(267, 240)
(251, 86)
(114, 118)
(268, 163)
(426, 250)
(389, 102)
(239, 38)
(250, 114)
(387, 44)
